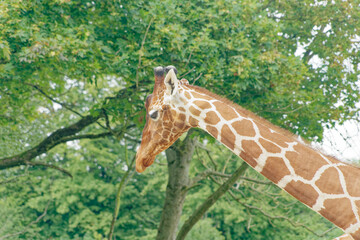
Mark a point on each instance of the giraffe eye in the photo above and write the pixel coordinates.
(154, 114)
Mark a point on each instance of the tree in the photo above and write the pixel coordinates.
(74, 76)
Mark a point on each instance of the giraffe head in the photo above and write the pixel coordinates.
(164, 122)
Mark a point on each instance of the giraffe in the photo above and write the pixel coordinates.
(344, 237)
(323, 183)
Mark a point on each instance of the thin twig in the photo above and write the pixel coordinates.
(208, 154)
(197, 78)
(29, 225)
(122, 184)
(53, 99)
(188, 60)
(226, 162)
(295, 224)
(187, 72)
(256, 181)
(58, 102)
(49, 166)
(107, 122)
(13, 179)
(140, 52)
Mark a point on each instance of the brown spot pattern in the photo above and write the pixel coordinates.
(212, 130)
(212, 118)
(250, 160)
(251, 148)
(181, 109)
(194, 111)
(302, 191)
(165, 134)
(182, 117)
(339, 212)
(202, 104)
(269, 146)
(193, 122)
(351, 175)
(244, 128)
(275, 169)
(225, 111)
(329, 182)
(356, 235)
(173, 112)
(305, 161)
(179, 125)
(273, 137)
(187, 95)
(227, 137)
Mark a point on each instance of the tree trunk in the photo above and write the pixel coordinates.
(178, 158)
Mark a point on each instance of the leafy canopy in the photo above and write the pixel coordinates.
(293, 62)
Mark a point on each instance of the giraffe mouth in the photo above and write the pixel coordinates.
(143, 162)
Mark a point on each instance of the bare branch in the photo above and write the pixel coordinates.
(48, 143)
(187, 73)
(140, 52)
(122, 184)
(295, 224)
(199, 212)
(188, 60)
(197, 78)
(53, 99)
(256, 181)
(50, 166)
(88, 136)
(308, 53)
(209, 172)
(13, 179)
(29, 225)
(58, 102)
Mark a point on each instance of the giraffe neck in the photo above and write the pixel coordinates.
(326, 185)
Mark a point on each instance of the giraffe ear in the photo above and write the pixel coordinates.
(171, 82)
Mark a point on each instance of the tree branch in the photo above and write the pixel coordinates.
(308, 53)
(199, 212)
(210, 172)
(256, 181)
(64, 134)
(29, 225)
(13, 179)
(122, 184)
(58, 102)
(295, 224)
(48, 143)
(49, 166)
(141, 52)
(53, 99)
(187, 73)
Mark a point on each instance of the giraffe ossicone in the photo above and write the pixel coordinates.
(326, 185)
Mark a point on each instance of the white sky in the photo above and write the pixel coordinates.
(343, 141)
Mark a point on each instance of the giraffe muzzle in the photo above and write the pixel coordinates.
(143, 162)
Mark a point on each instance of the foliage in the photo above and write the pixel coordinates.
(62, 60)
(82, 207)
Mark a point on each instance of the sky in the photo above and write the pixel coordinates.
(343, 141)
